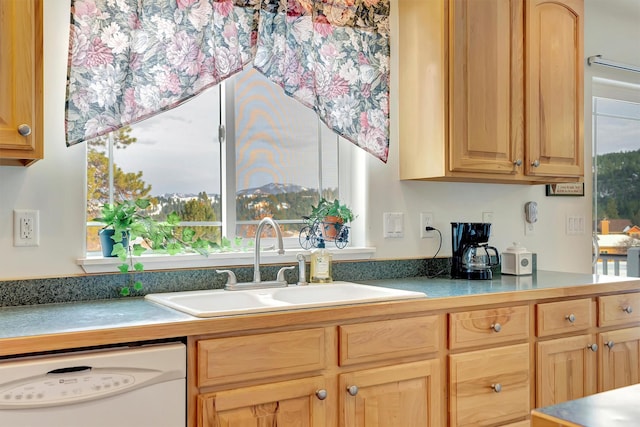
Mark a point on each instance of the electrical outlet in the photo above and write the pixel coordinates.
(26, 227)
(426, 220)
(529, 228)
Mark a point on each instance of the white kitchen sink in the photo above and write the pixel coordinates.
(219, 302)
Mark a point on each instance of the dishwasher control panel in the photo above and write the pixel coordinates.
(54, 388)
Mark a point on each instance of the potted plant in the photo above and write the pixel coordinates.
(129, 231)
(331, 216)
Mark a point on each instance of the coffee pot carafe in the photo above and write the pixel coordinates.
(473, 258)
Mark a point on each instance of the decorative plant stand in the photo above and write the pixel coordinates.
(314, 231)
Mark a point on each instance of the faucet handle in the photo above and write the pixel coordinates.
(280, 276)
(231, 276)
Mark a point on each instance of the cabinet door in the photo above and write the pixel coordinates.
(297, 403)
(406, 395)
(554, 113)
(619, 358)
(486, 86)
(20, 81)
(565, 369)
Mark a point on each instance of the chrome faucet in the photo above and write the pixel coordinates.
(257, 283)
(256, 258)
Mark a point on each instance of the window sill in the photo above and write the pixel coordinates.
(100, 264)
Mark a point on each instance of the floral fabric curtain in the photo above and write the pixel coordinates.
(131, 59)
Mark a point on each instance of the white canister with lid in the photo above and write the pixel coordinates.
(517, 260)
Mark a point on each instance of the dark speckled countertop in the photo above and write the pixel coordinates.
(47, 319)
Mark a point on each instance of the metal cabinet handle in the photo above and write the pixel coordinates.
(497, 327)
(610, 344)
(321, 394)
(497, 387)
(628, 309)
(518, 162)
(352, 390)
(593, 347)
(570, 317)
(535, 163)
(24, 130)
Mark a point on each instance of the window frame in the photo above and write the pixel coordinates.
(96, 263)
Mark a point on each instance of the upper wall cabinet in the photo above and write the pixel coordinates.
(21, 52)
(483, 100)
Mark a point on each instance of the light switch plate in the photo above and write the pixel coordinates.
(393, 224)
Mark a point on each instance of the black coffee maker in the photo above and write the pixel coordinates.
(472, 256)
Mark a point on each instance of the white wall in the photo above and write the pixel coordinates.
(55, 185)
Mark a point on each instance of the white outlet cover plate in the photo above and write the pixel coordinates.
(34, 217)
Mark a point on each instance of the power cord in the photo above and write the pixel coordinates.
(440, 245)
(437, 252)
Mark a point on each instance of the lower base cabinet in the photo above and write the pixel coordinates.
(300, 403)
(619, 362)
(489, 387)
(406, 395)
(565, 369)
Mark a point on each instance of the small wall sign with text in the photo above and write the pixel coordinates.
(566, 189)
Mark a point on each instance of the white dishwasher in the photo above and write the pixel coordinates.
(117, 387)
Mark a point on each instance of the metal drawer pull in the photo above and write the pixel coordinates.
(352, 390)
(321, 394)
(593, 347)
(609, 344)
(535, 163)
(628, 309)
(496, 327)
(497, 387)
(518, 162)
(24, 130)
(570, 317)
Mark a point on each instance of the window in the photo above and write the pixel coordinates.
(616, 166)
(275, 159)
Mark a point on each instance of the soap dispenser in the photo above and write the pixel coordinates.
(321, 264)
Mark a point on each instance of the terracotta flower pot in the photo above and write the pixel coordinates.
(331, 227)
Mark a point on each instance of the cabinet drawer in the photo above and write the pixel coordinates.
(490, 326)
(565, 316)
(228, 360)
(489, 387)
(619, 309)
(388, 339)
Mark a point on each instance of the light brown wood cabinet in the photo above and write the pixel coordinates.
(369, 374)
(407, 395)
(483, 100)
(619, 358)
(21, 85)
(484, 364)
(490, 385)
(565, 367)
